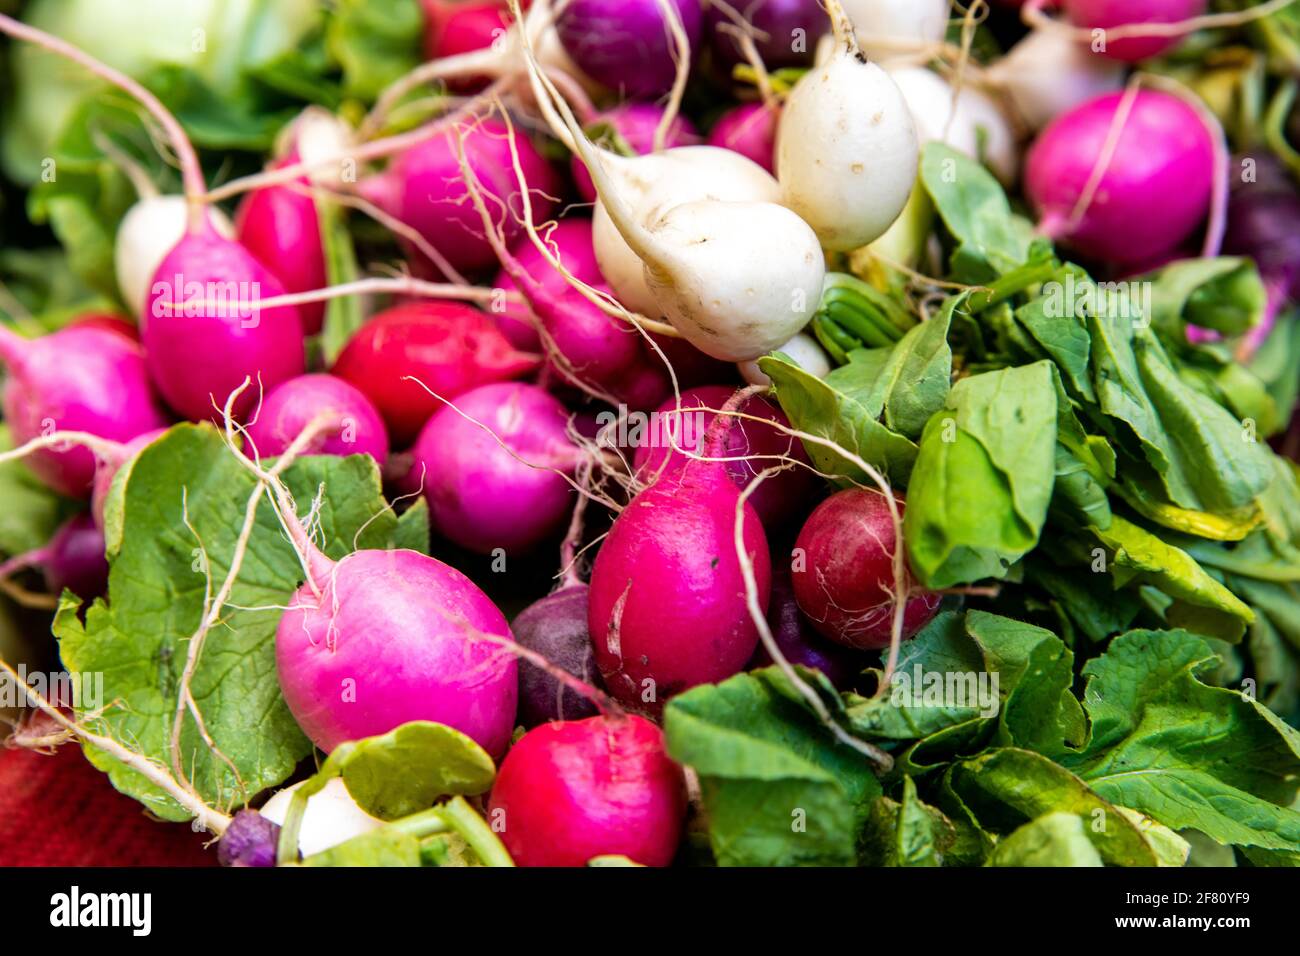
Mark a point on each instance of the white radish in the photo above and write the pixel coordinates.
(149, 230)
(972, 123)
(847, 149)
(736, 277)
(332, 817)
(805, 353)
(1049, 73)
(889, 29)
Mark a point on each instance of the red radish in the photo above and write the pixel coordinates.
(668, 608)
(570, 242)
(843, 572)
(692, 366)
(82, 379)
(749, 129)
(291, 406)
(634, 123)
(423, 187)
(556, 628)
(393, 636)
(569, 792)
(484, 496)
(800, 644)
(645, 384)
(203, 333)
(448, 346)
(626, 44)
(1155, 190)
(110, 464)
(75, 559)
(778, 497)
(1101, 16)
(455, 28)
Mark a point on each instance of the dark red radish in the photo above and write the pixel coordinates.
(799, 643)
(749, 129)
(291, 406)
(484, 496)
(636, 124)
(843, 572)
(570, 242)
(1153, 193)
(645, 384)
(1103, 16)
(75, 559)
(668, 606)
(81, 378)
(448, 346)
(785, 32)
(556, 628)
(203, 333)
(626, 45)
(779, 497)
(569, 792)
(108, 465)
(423, 187)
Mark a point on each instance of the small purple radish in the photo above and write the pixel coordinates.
(484, 496)
(626, 44)
(75, 559)
(634, 123)
(291, 406)
(556, 628)
(800, 644)
(786, 31)
(81, 378)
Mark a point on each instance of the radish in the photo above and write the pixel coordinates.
(455, 28)
(332, 817)
(493, 467)
(381, 638)
(571, 243)
(970, 122)
(73, 558)
(668, 607)
(843, 572)
(149, 230)
(635, 124)
(754, 445)
(569, 792)
(626, 44)
(888, 29)
(251, 840)
(83, 379)
(750, 130)
(449, 347)
(556, 628)
(799, 644)
(1101, 16)
(1154, 191)
(784, 32)
(803, 350)
(110, 322)
(1049, 73)
(291, 406)
(109, 464)
(847, 153)
(203, 332)
(423, 188)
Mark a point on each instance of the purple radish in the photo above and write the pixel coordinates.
(785, 31)
(749, 129)
(556, 628)
(634, 123)
(291, 406)
(75, 559)
(626, 44)
(81, 378)
(800, 644)
(484, 496)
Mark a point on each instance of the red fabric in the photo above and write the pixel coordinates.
(60, 811)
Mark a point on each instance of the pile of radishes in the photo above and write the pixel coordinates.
(546, 303)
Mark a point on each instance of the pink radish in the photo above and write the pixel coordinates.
(749, 129)
(635, 123)
(109, 464)
(570, 242)
(569, 792)
(291, 406)
(1102, 16)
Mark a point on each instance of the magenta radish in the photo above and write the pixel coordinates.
(800, 644)
(635, 124)
(1049, 73)
(455, 28)
(109, 464)
(750, 130)
(626, 44)
(570, 242)
(759, 445)
(1154, 191)
(484, 496)
(423, 188)
(668, 608)
(1102, 16)
(556, 628)
(785, 32)
(847, 152)
(448, 347)
(148, 232)
(844, 576)
(203, 333)
(569, 792)
(356, 426)
(381, 638)
(82, 379)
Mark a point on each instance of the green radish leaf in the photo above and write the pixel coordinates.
(343, 315)
(1224, 294)
(1054, 839)
(180, 510)
(31, 512)
(375, 41)
(907, 832)
(385, 847)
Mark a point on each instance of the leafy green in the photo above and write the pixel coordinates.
(31, 512)
(384, 847)
(375, 41)
(1224, 294)
(907, 832)
(1054, 839)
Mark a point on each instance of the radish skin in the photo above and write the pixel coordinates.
(889, 29)
(332, 816)
(148, 232)
(356, 428)
(1049, 73)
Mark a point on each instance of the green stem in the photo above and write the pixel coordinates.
(461, 817)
